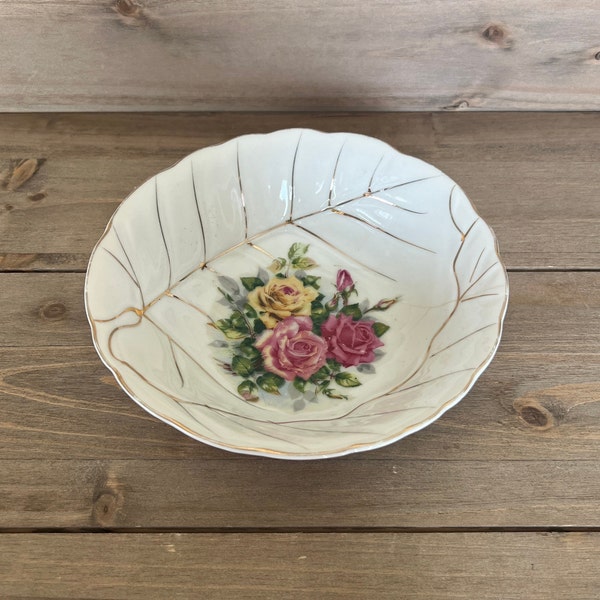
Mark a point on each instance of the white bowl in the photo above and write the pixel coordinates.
(202, 297)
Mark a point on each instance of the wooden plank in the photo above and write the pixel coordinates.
(268, 55)
(46, 309)
(519, 450)
(522, 171)
(486, 566)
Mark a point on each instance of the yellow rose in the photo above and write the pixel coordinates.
(281, 298)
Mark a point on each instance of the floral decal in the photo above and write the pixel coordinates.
(283, 329)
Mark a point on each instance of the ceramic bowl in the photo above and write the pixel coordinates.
(297, 294)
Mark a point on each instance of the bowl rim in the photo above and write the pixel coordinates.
(267, 452)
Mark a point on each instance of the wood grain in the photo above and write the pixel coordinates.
(455, 566)
(519, 451)
(302, 55)
(533, 177)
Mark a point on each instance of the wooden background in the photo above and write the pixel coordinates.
(497, 499)
(82, 55)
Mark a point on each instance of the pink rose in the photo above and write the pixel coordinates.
(350, 342)
(291, 349)
(344, 280)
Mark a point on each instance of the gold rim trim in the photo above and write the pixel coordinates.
(268, 451)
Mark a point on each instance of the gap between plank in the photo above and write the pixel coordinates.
(295, 530)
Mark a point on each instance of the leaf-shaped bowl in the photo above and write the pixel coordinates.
(297, 294)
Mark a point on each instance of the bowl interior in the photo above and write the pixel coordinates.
(297, 294)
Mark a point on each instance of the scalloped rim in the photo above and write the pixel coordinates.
(353, 448)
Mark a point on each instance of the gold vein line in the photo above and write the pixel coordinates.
(204, 314)
(137, 285)
(242, 197)
(181, 404)
(137, 279)
(383, 201)
(330, 245)
(369, 194)
(332, 184)
(176, 363)
(204, 265)
(190, 356)
(447, 319)
(375, 171)
(461, 339)
(476, 265)
(162, 231)
(478, 296)
(450, 211)
(178, 401)
(479, 278)
(261, 249)
(350, 216)
(410, 387)
(293, 190)
(397, 185)
(133, 309)
(346, 415)
(198, 211)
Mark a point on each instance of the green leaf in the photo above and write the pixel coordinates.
(242, 366)
(331, 393)
(251, 282)
(300, 384)
(259, 326)
(250, 312)
(311, 281)
(238, 322)
(322, 386)
(247, 390)
(229, 330)
(250, 352)
(322, 373)
(277, 265)
(304, 263)
(297, 250)
(333, 365)
(270, 383)
(346, 379)
(352, 310)
(280, 275)
(380, 328)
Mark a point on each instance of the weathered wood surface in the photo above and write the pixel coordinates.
(533, 177)
(518, 454)
(486, 566)
(301, 55)
(519, 451)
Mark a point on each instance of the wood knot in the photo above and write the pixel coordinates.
(105, 507)
(53, 311)
(128, 8)
(497, 35)
(597, 55)
(458, 105)
(534, 414)
(8, 207)
(37, 196)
